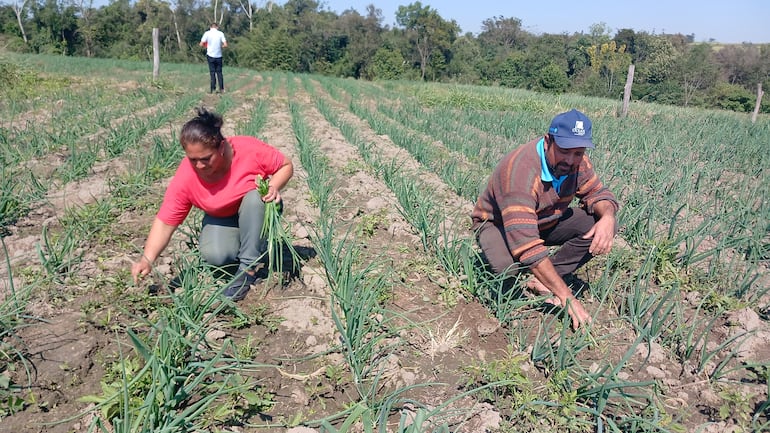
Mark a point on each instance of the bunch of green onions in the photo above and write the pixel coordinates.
(274, 233)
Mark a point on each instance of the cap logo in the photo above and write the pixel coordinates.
(578, 129)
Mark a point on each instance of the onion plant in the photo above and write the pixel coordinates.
(275, 235)
(179, 380)
(13, 349)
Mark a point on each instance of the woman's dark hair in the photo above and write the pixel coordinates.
(205, 129)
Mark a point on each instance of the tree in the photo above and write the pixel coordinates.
(600, 33)
(513, 71)
(270, 45)
(654, 58)
(18, 9)
(466, 54)
(55, 27)
(362, 37)
(695, 72)
(503, 34)
(551, 79)
(731, 97)
(543, 53)
(744, 65)
(609, 61)
(427, 32)
(387, 64)
(115, 30)
(86, 30)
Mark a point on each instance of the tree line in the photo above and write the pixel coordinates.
(301, 36)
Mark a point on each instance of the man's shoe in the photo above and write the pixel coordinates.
(237, 289)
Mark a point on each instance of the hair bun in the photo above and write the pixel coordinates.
(209, 118)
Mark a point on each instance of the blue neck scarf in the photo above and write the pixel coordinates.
(545, 172)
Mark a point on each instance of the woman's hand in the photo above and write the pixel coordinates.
(267, 190)
(272, 194)
(140, 268)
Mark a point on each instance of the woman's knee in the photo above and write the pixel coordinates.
(218, 243)
(252, 201)
(215, 255)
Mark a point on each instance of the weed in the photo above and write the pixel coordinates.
(354, 166)
(10, 400)
(247, 349)
(336, 375)
(736, 406)
(369, 223)
(517, 388)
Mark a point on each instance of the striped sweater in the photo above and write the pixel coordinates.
(517, 199)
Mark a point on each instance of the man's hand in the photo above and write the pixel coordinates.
(602, 235)
(578, 314)
(548, 281)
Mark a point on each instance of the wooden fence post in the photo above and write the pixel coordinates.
(759, 102)
(155, 54)
(627, 90)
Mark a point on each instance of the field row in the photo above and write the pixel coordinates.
(392, 292)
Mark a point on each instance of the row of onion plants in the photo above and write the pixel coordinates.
(176, 378)
(612, 392)
(368, 329)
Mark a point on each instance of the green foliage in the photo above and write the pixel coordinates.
(10, 400)
(731, 97)
(552, 79)
(513, 382)
(513, 71)
(736, 406)
(369, 223)
(610, 62)
(59, 253)
(11, 204)
(387, 64)
(276, 236)
(175, 380)
(13, 350)
(303, 37)
(430, 36)
(696, 72)
(20, 81)
(451, 131)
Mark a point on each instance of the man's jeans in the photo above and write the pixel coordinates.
(215, 70)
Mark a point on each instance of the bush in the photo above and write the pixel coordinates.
(19, 81)
(731, 97)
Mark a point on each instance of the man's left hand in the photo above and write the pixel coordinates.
(602, 235)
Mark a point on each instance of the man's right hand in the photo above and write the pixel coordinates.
(577, 313)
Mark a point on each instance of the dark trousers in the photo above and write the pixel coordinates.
(215, 71)
(567, 233)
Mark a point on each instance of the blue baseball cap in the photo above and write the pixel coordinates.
(571, 129)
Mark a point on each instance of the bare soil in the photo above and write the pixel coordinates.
(74, 333)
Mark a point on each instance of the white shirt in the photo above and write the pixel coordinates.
(214, 40)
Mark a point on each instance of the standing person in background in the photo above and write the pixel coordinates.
(526, 208)
(218, 175)
(214, 40)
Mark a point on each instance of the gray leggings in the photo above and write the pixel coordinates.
(236, 239)
(568, 232)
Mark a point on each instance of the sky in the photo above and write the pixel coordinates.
(732, 21)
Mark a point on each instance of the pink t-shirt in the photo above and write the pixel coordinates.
(251, 157)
